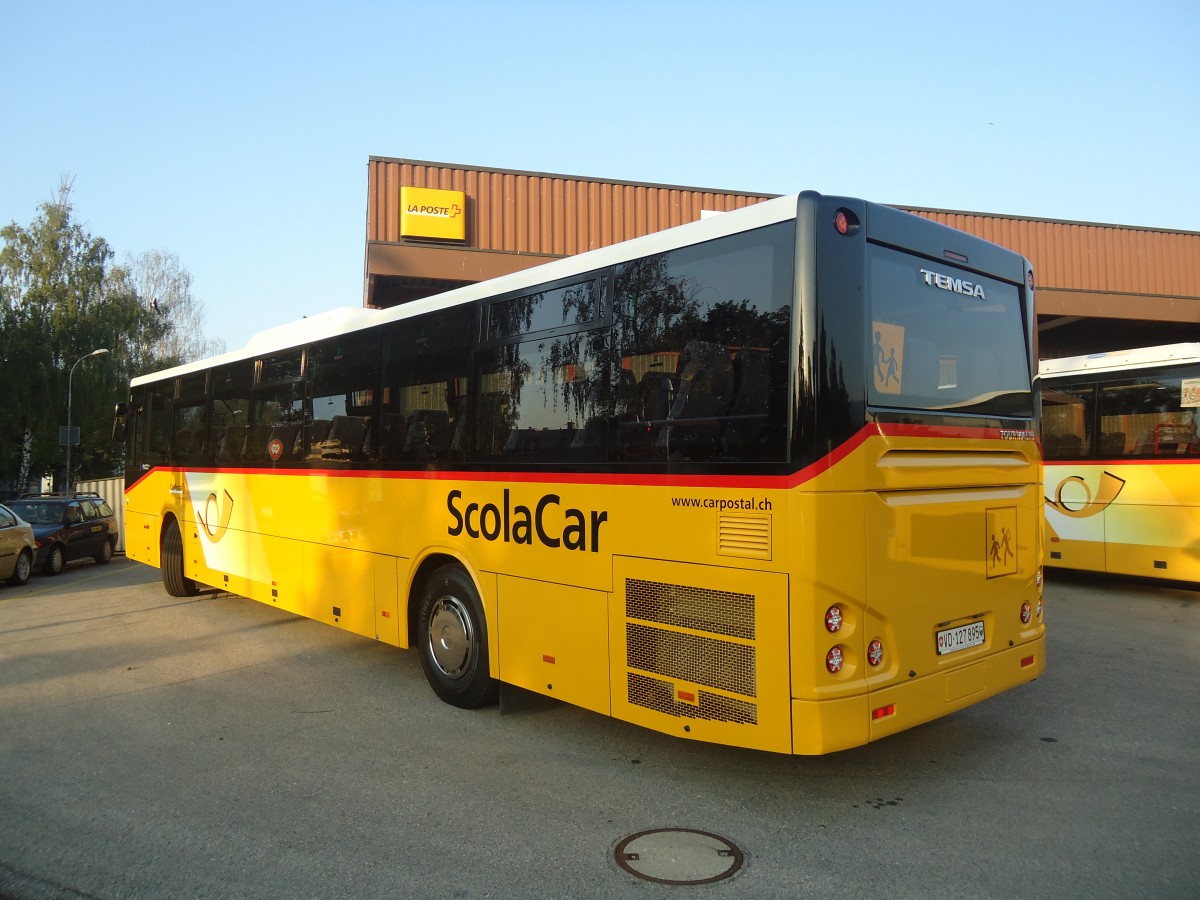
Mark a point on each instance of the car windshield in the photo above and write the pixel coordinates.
(39, 513)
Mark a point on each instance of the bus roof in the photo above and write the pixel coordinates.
(346, 320)
(1121, 360)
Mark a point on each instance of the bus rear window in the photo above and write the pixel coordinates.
(944, 339)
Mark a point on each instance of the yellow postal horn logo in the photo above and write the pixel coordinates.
(214, 520)
(1110, 487)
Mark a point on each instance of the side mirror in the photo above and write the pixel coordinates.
(120, 413)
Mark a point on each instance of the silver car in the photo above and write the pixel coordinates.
(16, 547)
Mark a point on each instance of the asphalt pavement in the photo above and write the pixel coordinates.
(214, 747)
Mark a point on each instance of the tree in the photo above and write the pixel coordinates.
(164, 286)
(59, 301)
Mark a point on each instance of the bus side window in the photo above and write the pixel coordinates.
(156, 428)
(702, 401)
(276, 409)
(189, 417)
(229, 422)
(748, 430)
(1112, 444)
(342, 376)
(544, 400)
(426, 376)
(187, 433)
(1148, 416)
(1067, 412)
(704, 334)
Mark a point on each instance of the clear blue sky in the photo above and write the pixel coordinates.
(236, 135)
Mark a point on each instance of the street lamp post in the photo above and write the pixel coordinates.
(70, 378)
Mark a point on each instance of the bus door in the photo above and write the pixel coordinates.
(147, 457)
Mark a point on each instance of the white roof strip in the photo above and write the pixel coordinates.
(1120, 360)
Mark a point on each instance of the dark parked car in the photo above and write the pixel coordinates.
(67, 528)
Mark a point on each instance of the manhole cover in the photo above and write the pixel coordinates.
(678, 856)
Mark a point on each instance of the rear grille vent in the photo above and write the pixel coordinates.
(679, 637)
(700, 609)
(688, 657)
(657, 695)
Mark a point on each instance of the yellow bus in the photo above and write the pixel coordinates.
(1123, 461)
(768, 479)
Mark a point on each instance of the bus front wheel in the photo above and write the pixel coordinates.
(452, 635)
(172, 563)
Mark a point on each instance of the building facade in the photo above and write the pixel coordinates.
(433, 226)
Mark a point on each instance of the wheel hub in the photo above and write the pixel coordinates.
(450, 636)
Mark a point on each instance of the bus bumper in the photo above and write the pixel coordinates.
(825, 726)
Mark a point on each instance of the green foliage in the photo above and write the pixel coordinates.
(60, 299)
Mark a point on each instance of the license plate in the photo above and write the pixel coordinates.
(960, 638)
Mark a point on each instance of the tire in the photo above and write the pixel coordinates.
(22, 570)
(172, 563)
(452, 634)
(55, 560)
(106, 554)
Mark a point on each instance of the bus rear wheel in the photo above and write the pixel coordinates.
(452, 635)
(172, 563)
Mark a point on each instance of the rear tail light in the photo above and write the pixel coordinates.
(1026, 613)
(875, 652)
(833, 619)
(834, 660)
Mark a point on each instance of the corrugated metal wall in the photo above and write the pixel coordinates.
(527, 212)
(1105, 259)
(1082, 268)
